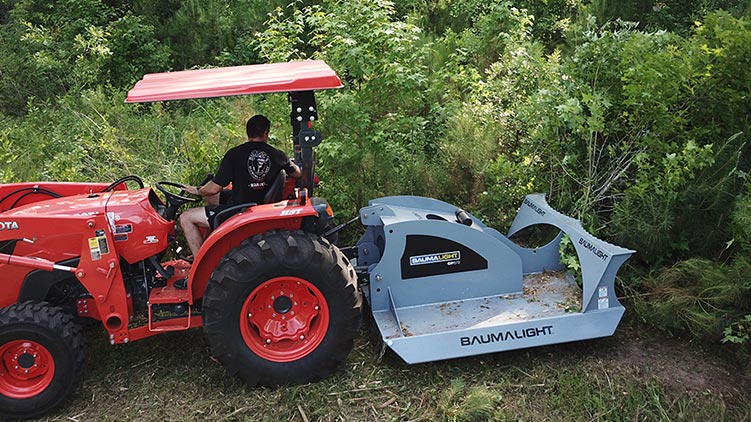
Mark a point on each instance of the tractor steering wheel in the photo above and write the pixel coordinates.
(174, 199)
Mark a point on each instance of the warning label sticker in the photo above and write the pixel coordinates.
(602, 301)
(98, 246)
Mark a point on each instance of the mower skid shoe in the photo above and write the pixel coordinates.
(443, 285)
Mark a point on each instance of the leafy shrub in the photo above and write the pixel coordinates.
(738, 332)
(698, 296)
(383, 136)
(673, 15)
(53, 48)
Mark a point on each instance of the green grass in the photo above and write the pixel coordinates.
(172, 378)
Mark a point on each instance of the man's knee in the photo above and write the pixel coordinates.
(195, 217)
(185, 219)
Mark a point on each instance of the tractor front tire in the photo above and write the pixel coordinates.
(41, 359)
(282, 308)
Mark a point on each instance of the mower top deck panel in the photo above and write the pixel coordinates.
(305, 75)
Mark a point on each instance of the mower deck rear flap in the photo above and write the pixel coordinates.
(238, 80)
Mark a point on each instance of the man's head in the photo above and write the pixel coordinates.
(258, 127)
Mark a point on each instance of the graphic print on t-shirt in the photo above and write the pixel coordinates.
(259, 164)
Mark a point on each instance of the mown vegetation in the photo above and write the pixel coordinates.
(633, 116)
(170, 378)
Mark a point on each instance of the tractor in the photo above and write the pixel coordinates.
(278, 302)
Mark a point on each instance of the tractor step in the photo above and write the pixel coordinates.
(548, 311)
(168, 294)
(165, 296)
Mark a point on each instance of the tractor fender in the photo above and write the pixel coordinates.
(284, 215)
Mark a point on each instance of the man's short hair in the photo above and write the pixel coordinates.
(257, 126)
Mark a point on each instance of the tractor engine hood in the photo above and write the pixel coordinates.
(137, 229)
(88, 204)
(76, 205)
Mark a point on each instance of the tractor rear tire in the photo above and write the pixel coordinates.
(282, 308)
(41, 358)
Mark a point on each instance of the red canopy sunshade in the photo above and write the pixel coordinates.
(238, 80)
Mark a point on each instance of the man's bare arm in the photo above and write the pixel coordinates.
(209, 189)
(297, 173)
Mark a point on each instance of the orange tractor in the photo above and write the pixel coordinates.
(278, 302)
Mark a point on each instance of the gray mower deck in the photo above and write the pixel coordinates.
(545, 295)
(443, 285)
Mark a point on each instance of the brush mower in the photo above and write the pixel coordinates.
(278, 302)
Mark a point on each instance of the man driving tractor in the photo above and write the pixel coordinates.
(251, 168)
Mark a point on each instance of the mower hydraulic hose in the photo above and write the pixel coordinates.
(341, 226)
(36, 263)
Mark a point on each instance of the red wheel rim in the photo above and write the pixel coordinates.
(26, 369)
(284, 319)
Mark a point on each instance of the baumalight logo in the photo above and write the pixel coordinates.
(507, 335)
(592, 248)
(435, 258)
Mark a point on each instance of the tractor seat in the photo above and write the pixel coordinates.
(273, 194)
(276, 190)
(224, 214)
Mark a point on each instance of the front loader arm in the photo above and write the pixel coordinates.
(98, 269)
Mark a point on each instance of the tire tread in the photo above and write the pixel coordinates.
(48, 319)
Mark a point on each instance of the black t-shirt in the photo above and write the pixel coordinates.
(252, 168)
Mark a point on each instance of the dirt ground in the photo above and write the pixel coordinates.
(684, 366)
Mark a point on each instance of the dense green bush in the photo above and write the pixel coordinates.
(699, 295)
(643, 136)
(619, 127)
(96, 136)
(677, 16)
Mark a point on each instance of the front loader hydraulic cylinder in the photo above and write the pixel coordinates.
(36, 263)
